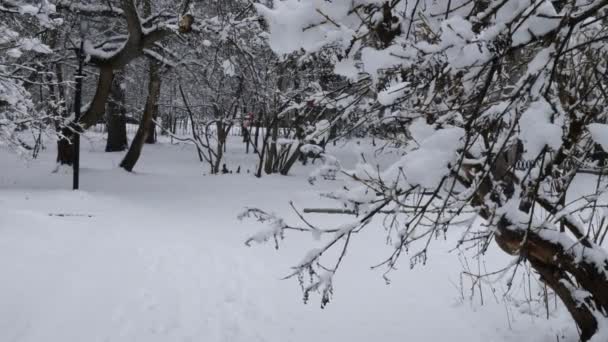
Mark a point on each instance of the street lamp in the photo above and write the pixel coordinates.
(78, 105)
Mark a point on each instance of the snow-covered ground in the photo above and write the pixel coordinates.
(158, 255)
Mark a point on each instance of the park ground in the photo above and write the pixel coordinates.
(159, 255)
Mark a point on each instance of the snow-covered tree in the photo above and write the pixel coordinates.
(476, 88)
(19, 49)
(135, 31)
(231, 78)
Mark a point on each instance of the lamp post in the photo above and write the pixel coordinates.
(77, 106)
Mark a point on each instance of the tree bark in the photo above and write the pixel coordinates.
(132, 156)
(151, 136)
(116, 117)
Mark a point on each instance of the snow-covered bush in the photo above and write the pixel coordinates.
(475, 87)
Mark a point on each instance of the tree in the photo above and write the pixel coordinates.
(146, 133)
(146, 124)
(19, 70)
(115, 53)
(475, 88)
(116, 116)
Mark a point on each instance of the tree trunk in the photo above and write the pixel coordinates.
(152, 97)
(262, 155)
(116, 117)
(576, 273)
(60, 111)
(291, 161)
(151, 137)
(65, 150)
(257, 134)
(91, 116)
(220, 147)
(272, 148)
(128, 163)
(568, 277)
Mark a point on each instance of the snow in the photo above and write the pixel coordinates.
(428, 164)
(420, 130)
(7, 35)
(599, 133)
(375, 60)
(159, 255)
(115, 48)
(456, 33)
(29, 9)
(285, 141)
(287, 20)
(541, 63)
(602, 330)
(537, 131)
(229, 69)
(346, 68)
(159, 57)
(393, 93)
(26, 44)
(320, 133)
(543, 21)
(34, 44)
(14, 53)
